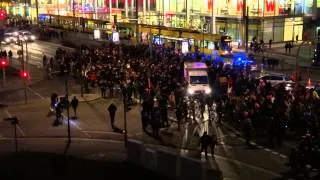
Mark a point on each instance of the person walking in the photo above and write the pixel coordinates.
(179, 116)
(247, 128)
(213, 144)
(205, 141)
(112, 113)
(74, 105)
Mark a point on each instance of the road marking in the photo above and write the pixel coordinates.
(36, 93)
(102, 132)
(283, 156)
(240, 163)
(266, 149)
(18, 126)
(253, 143)
(65, 119)
(55, 138)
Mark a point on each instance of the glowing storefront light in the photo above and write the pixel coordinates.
(174, 13)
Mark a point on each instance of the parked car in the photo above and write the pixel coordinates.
(275, 79)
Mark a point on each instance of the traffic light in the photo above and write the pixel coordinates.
(24, 75)
(4, 63)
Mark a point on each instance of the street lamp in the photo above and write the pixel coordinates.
(24, 62)
(14, 121)
(4, 64)
(68, 110)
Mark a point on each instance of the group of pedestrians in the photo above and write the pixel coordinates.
(61, 104)
(157, 83)
(263, 109)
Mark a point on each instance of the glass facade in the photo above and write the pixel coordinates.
(278, 20)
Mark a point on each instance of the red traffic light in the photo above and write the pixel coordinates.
(2, 14)
(4, 63)
(24, 74)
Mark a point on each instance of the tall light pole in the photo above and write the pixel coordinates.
(68, 112)
(25, 8)
(37, 11)
(74, 14)
(137, 22)
(213, 16)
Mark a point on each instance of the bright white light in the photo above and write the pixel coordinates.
(208, 91)
(33, 37)
(25, 38)
(226, 52)
(7, 39)
(15, 33)
(190, 91)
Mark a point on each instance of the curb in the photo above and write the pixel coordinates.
(97, 97)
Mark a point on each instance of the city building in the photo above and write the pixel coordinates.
(276, 20)
(16, 7)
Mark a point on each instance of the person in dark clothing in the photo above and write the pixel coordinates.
(248, 128)
(110, 86)
(112, 112)
(74, 105)
(205, 141)
(270, 43)
(54, 100)
(179, 116)
(144, 119)
(213, 144)
(156, 121)
(59, 109)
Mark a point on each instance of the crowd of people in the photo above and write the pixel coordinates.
(158, 83)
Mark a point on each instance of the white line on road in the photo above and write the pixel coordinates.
(240, 163)
(102, 132)
(36, 93)
(18, 126)
(65, 118)
(55, 138)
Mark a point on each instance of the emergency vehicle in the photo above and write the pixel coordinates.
(195, 73)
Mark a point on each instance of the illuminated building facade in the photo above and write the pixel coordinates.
(278, 20)
(16, 7)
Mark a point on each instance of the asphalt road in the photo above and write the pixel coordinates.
(36, 50)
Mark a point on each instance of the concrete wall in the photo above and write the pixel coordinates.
(170, 163)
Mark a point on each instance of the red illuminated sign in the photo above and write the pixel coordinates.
(270, 5)
(210, 4)
(239, 5)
